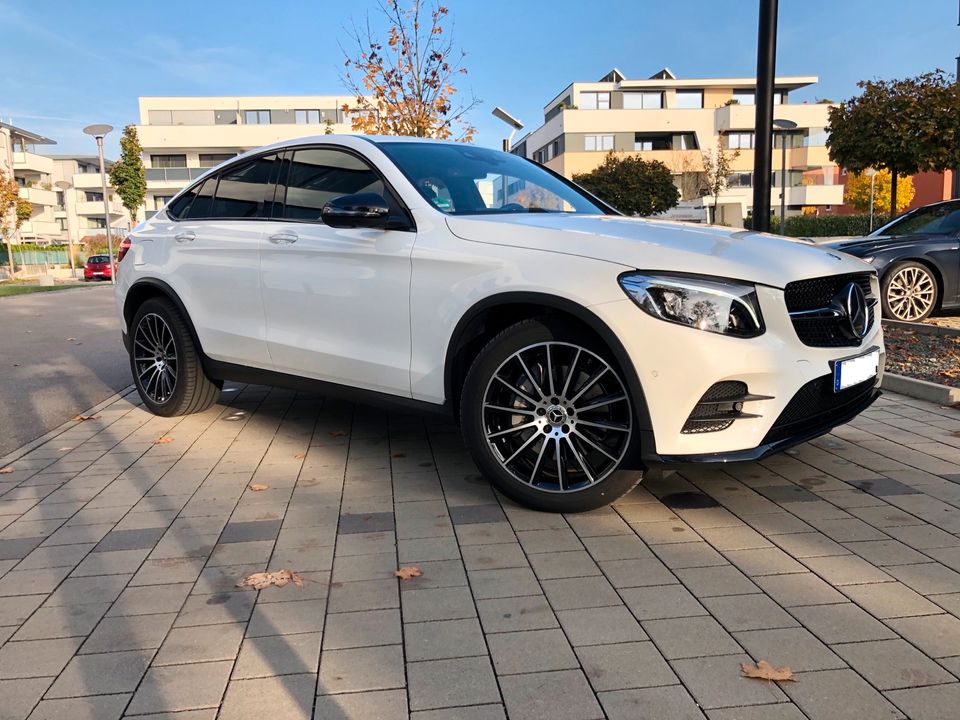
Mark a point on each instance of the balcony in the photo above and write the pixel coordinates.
(742, 117)
(88, 181)
(217, 138)
(31, 162)
(174, 175)
(37, 228)
(811, 195)
(38, 196)
(95, 208)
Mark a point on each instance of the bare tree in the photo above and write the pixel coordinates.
(717, 166)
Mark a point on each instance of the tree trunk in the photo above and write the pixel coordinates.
(10, 256)
(893, 193)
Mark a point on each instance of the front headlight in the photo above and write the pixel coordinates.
(720, 306)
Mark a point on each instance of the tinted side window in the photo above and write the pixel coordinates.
(240, 193)
(318, 175)
(200, 207)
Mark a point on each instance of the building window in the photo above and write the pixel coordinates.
(816, 137)
(740, 140)
(598, 142)
(159, 117)
(62, 222)
(689, 99)
(168, 161)
(594, 101)
(256, 117)
(307, 117)
(225, 117)
(161, 200)
(60, 200)
(98, 222)
(745, 97)
(94, 197)
(208, 160)
(740, 180)
(643, 100)
(665, 141)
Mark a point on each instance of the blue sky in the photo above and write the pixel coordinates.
(69, 64)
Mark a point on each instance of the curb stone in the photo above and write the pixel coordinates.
(920, 389)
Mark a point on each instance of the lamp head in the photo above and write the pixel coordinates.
(99, 130)
(501, 114)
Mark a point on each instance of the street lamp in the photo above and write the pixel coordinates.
(98, 131)
(501, 114)
(783, 126)
(872, 174)
(64, 186)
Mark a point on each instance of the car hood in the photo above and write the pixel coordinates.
(661, 245)
(874, 243)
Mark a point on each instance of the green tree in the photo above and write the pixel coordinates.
(717, 167)
(857, 192)
(404, 84)
(127, 175)
(632, 185)
(904, 126)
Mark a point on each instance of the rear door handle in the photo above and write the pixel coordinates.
(185, 236)
(284, 237)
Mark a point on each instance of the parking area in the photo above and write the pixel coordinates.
(124, 537)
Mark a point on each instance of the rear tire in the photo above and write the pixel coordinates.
(166, 363)
(548, 418)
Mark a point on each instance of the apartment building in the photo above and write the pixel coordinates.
(80, 210)
(34, 174)
(184, 136)
(674, 120)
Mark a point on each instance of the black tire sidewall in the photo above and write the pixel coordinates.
(178, 400)
(885, 284)
(489, 359)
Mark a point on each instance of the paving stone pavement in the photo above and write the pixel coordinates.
(119, 558)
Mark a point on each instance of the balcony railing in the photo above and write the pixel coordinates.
(180, 174)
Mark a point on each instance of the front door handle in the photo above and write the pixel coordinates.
(284, 237)
(185, 236)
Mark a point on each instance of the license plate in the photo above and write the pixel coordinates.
(855, 370)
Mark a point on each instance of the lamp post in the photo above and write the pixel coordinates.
(501, 114)
(872, 174)
(98, 131)
(783, 126)
(762, 156)
(64, 186)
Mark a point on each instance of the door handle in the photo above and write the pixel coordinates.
(185, 236)
(284, 237)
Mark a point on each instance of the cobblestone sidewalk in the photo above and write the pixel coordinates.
(119, 559)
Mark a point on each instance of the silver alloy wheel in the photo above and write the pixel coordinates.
(557, 417)
(155, 358)
(911, 293)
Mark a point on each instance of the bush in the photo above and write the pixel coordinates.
(821, 225)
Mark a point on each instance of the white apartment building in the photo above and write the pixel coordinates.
(183, 136)
(80, 209)
(674, 120)
(34, 174)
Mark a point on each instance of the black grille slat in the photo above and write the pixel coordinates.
(705, 417)
(814, 405)
(817, 293)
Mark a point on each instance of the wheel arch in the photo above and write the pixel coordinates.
(928, 263)
(489, 316)
(147, 288)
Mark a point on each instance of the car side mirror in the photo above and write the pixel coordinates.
(360, 210)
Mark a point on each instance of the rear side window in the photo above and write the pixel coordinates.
(317, 175)
(203, 201)
(242, 187)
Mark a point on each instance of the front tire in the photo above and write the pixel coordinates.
(548, 419)
(166, 363)
(909, 292)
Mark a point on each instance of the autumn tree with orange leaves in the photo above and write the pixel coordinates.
(405, 85)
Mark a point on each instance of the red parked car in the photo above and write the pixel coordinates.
(98, 267)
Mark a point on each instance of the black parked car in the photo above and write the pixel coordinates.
(918, 259)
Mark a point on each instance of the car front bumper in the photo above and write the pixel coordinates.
(676, 365)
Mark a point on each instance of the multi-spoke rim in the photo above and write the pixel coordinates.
(557, 417)
(911, 293)
(155, 358)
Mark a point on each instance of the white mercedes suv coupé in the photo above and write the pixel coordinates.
(575, 346)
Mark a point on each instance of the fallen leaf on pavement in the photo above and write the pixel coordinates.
(765, 671)
(163, 440)
(338, 433)
(81, 418)
(7, 470)
(299, 456)
(399, 455)
(71, 339)
(278, 578)
(956, 433)
(257, 487)
(405, 573)
(64, 449)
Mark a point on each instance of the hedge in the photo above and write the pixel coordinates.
(821, 225)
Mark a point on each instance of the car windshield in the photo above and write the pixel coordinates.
(97, 259)
(468, 180)
(940, 219)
